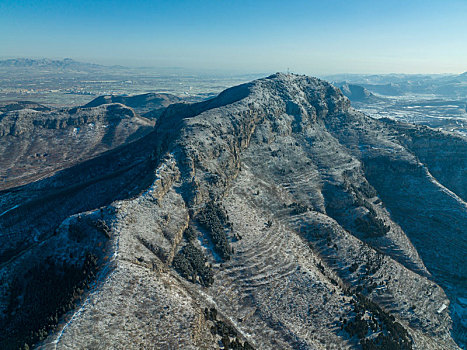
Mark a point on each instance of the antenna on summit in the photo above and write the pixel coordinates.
(288, 70)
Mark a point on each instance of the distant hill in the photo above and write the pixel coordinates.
(463, 77)
(356, 93)
(151, 104)
(7, 106)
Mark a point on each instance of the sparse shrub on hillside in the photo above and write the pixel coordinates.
(365, 190)
(371, 226)
(214, 219)
(298, 208)
(102, 226)
(353, 267)
(359, 200)
(40, 297)
(227, 333)
(368, 190)
(190, 233)
(190, 262)
(371, 319)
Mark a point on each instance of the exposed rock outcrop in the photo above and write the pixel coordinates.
(36, 141)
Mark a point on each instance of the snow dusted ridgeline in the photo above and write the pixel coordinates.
(264, 218)
(36, 141)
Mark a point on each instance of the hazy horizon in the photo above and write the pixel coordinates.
(220, 71)
(307, 37)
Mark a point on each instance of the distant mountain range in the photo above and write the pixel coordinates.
(64, 64)
(46, 62)
(448, 85)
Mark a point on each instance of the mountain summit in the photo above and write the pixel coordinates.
(274, 216)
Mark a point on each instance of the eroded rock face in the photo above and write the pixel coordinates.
(36, 141)
(322, 228)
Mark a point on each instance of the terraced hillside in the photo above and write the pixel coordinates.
(273, 216)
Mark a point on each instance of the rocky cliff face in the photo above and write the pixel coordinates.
(271, 217)
(36, 141)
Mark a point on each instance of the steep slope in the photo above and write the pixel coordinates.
(36, 141)
(271, 217)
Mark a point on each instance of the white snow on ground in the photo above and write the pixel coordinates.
(6, 211)
(442, 308)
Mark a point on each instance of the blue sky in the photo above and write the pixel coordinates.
(313, 37)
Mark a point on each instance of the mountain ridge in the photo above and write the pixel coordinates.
(66, 63)
(271, 179)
